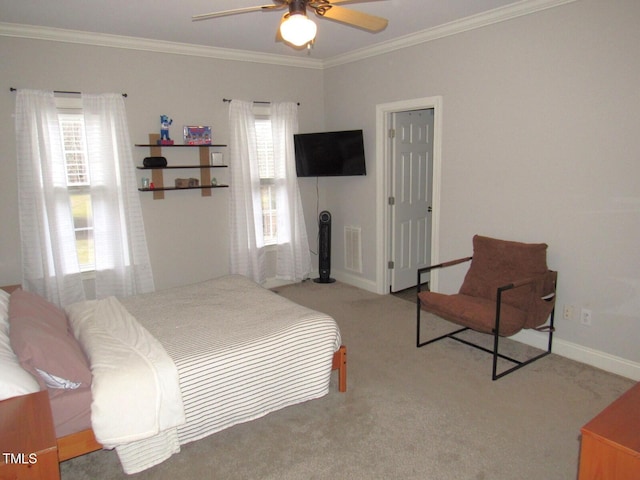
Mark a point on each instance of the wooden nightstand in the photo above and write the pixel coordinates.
(611, 441)
(28, 446)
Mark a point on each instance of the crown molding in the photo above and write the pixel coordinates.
(149, 45)
(508, 12)
(524, 7)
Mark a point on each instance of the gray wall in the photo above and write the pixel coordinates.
(540, 143)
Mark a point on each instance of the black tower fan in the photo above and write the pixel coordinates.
(324, 248)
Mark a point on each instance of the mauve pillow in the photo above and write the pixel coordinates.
(29, 304)
(41, 340)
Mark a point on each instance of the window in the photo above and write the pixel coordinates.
(266, 168)
(78, 183)
(85, 211)
(268, 234)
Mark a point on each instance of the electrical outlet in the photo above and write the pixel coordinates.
(585, 317)
(567, 313)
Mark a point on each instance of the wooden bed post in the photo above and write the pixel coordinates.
(340, 364)
(77, 444)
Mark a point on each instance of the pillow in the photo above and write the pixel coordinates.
(41, 339)
(29, 304)
(14, 380)
(4, 312)
(52, 381)
(498, 262)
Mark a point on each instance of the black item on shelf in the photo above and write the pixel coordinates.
(154, 162)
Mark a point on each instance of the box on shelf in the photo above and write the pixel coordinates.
(197, 135)
(187, 182)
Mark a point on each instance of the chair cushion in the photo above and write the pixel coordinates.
(474, 312)
(496, 263)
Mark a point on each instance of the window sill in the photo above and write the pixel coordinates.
(88, 275)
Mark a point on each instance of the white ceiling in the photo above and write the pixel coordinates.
(170, 20)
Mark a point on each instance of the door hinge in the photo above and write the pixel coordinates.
(392, 200)
(390, 265)
(392, 133)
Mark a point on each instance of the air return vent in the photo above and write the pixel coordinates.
(353, 250)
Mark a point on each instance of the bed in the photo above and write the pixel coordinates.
(239, 352)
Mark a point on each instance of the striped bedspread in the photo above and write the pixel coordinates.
(241, 351)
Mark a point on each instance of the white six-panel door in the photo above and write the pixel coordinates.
(411, 196)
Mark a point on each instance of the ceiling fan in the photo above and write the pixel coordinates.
(297, 29)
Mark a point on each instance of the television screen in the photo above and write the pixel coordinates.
(329, 154)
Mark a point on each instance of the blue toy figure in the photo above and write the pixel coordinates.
(164, 130)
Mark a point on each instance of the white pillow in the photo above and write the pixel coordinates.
(4, 312)
(14, 380)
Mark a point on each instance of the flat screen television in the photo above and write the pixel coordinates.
(329, 154)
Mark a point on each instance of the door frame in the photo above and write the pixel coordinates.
(384, 113)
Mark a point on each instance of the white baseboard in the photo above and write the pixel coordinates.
(354, 280)
(589, 356)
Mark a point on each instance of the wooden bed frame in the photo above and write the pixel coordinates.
(83, 442)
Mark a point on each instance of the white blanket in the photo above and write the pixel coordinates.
(241, 350)
(135, 387)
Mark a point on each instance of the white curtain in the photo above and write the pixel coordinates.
(49, 261)
(122, 259)
(247, 250)
(293, 260)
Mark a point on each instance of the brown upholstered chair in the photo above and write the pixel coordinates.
(508, 288)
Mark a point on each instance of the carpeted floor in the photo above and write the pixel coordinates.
(410, 293)
(408, 413)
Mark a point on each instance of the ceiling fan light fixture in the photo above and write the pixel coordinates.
(298, 29)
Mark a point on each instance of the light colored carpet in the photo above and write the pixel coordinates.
(429, 413)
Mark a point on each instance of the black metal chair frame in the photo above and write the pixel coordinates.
(496, 337)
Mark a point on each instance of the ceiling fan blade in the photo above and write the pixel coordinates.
(352, 17)
(224, 13)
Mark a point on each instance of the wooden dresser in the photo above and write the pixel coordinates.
(611, 441)
(27, 439)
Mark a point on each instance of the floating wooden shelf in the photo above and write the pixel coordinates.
(205, 145)
(162, 189)
(157, 177)
(182, 166)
